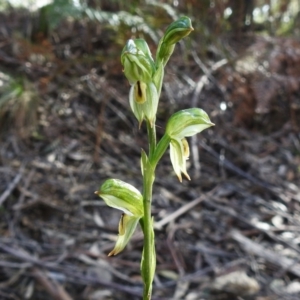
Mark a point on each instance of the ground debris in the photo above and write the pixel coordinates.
(234, 228)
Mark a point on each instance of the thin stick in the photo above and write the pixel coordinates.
(11, 187)
(182, 210)
(270, 256)
(52, 287)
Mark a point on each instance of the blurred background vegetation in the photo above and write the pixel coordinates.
(274, 17)
(38, 33)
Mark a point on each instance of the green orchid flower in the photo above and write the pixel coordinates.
(182, 124)
(137, 61)
(143, 100)
(139, 69)
(179, 154)
(125, 197)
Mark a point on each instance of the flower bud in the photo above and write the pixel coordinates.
(174, 33)
(137, 61)
(178, 30)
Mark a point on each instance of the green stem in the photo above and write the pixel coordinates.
(151, 130)
(149, 165)
(148, 237)
(148, 179)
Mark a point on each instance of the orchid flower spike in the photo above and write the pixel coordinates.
(183, 124)
(125, 197)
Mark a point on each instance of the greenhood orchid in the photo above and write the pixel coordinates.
(143, 100)
(125, 197)
(183, 124)
(137, 61)
(139, 69)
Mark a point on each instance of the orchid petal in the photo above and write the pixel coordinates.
(127, 227)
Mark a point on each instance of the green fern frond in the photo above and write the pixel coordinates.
(18, 105)
(62, 9)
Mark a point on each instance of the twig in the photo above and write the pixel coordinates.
(22, 254)
(238, 216)
(194, 139)
(208, 72)
(230, 166)
(9, 296)
(52, 287)
(179, 262)
(13, 279)
(270, 256)
(11, 187)
(182, 210)
(72, 274)
(99, 131)
(21, 199)
(285, 197)
(198, 89)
